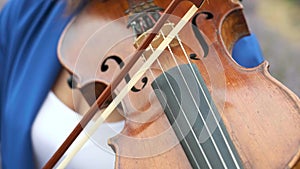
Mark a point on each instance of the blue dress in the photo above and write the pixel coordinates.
(29, 34)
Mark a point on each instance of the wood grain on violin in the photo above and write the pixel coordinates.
(259, 124)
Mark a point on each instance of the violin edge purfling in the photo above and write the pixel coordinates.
(107, 91)
(239, 81)
(253, 85)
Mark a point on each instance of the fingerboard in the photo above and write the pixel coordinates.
(195, 118)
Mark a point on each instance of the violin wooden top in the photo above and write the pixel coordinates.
(261, 115)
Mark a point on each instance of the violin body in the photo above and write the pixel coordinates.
(261, 116)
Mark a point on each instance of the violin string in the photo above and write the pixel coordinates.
(128, 86)
(180, 106)
(181, 133)
(194, 101)
(210, 107)
(194, 158)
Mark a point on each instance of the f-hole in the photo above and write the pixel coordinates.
(199, 35)
(119, 61)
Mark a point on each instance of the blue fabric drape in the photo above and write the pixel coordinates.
(29, 33)
(247, 53)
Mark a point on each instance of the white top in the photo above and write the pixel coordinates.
(54, 123)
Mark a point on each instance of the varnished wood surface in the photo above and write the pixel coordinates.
(261, 115)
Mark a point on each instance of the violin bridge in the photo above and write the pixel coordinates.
(166, 29)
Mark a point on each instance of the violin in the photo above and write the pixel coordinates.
(186, 102)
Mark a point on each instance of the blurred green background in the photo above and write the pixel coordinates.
(276, 24)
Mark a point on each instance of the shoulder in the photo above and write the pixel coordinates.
(16, 10)
(17, 15)
(24, 24)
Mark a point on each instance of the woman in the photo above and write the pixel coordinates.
(31, 75)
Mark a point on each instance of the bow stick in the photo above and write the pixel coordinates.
(107, 92)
